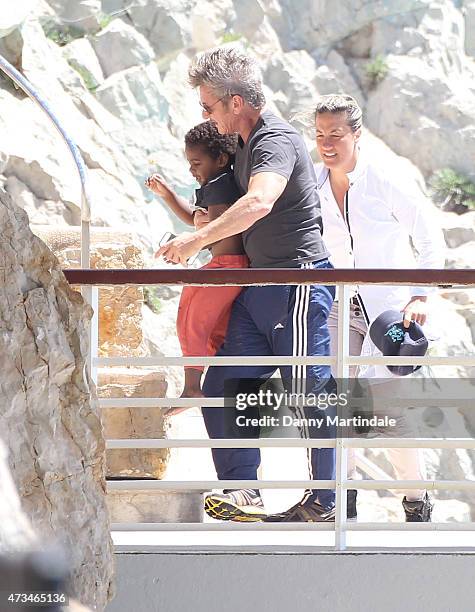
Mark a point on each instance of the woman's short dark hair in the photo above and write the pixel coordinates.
(340, 103)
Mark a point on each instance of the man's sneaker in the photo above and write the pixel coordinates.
(243, 505)
(418, 511)
(307, 511)
(351, 513)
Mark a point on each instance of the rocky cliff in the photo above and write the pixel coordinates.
(49, 418)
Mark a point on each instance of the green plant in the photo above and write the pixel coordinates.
(151, 299)
(377, 70)
(452, 191)
(229, 37)
(89, 80)
(104, 20)
(61, 34)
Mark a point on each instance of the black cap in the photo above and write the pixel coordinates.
(393, 339)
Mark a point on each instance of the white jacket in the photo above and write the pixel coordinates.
(382, 216)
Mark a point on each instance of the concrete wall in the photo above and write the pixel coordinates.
(195, 581)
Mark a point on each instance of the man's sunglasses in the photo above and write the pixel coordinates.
(208, 108)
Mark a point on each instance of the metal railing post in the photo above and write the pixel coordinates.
(94, 334)
(342, 372)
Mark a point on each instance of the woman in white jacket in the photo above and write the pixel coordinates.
(371, 215)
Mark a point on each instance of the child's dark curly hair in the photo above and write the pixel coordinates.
(206, 135)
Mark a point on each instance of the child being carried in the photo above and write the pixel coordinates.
(203, 312)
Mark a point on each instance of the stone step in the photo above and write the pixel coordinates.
(120, 308)
(134, 422)
(137, 506)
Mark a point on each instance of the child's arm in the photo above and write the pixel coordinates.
(179, 205)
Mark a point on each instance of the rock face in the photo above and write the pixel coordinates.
(82, 57)
(16, 14)
(82, 14)
(440, 131)
(133, 122)
(49, 416)
(163, 23)
(431, 85)
(16, 532)
(317, 24)
(120, 46)
(470, 28)
(38, 170)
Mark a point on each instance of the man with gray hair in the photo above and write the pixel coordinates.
(280, 220)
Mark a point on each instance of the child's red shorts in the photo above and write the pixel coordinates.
(203, 312)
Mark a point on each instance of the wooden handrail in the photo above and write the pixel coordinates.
(272, 276)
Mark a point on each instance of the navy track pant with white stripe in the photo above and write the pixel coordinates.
(274, 320)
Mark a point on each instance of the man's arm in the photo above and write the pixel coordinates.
(264, 189)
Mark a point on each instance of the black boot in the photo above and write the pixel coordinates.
(351, 513)
(418, 511)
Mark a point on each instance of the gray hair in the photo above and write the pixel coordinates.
(340, 103)
(228, 71)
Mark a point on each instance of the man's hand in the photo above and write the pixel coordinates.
(158, 185)
(415, 310)
(200, 219)
(180, 249)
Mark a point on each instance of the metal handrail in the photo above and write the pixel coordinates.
(45, 106)
(273, 276)
(86, 204)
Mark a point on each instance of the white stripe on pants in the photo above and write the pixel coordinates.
(299, 349)
(408, 463)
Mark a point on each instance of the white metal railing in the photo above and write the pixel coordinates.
(341, 483)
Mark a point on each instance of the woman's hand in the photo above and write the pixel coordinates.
(415, 310)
